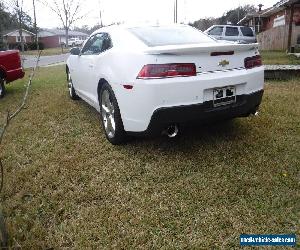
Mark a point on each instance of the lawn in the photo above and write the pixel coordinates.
(277, 57)
(67, 187)
(47, 52)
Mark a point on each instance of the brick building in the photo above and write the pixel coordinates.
(52, 38)
(13, 36)
(278, 27)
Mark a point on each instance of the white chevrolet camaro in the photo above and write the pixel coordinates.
(152, 79)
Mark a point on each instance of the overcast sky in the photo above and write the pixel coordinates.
(136, 11)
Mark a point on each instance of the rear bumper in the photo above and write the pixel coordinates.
(203, 113)
(15, 74)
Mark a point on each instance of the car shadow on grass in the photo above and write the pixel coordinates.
(190, 136)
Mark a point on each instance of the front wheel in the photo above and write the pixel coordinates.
(110, 116)
(72, 91)
(2, 87)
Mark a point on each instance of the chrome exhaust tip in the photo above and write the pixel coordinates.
(171, 131)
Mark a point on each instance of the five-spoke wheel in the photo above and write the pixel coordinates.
(110, 115)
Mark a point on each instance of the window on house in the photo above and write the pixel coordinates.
(18, 39)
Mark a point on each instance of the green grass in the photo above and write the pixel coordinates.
(47, 52)
(67, 187)
(278, 57)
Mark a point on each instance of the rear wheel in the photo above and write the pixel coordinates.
(72, 91)
(2, 87)
(110, 116)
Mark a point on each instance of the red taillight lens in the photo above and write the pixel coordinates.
(252, 62)
(167, 70)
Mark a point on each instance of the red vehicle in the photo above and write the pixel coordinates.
(10, 68)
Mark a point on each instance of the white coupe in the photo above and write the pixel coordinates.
(152, 79)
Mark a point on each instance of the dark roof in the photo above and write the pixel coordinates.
(6, 32)
(62, 32)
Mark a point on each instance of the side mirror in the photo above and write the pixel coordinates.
(75, 51)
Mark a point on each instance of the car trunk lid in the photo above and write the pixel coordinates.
(207, 57)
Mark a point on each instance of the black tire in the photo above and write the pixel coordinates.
(2, 87)
(119, 136)
(72, 92)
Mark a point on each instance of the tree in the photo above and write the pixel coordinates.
(204, 23)
(84, 29)
(18, 9)
(12, 16)
(232, 16)
(68, 12)
(235, 15)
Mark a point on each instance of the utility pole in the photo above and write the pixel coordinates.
(35, 26)
(175, 11)
(100, 15)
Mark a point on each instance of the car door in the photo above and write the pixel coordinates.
(216, 32)
(232, 33)
(86, 73)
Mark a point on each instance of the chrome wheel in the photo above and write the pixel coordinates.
(108, 114)
(70, 84)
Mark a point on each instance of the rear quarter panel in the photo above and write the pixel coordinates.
(10, 64)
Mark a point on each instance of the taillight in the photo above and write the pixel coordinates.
(19, 62)
(167, 70)
(252, 62)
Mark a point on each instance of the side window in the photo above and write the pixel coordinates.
(216, 31)
(107, 43)
(247, 31)
(232, 31)
(97, 44)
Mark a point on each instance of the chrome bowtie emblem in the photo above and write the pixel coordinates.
(224, 63)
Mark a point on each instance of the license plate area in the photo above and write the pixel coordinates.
(224, 96)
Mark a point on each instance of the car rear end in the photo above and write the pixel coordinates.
(10, 64)
(185, 82)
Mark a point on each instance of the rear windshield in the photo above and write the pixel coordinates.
(247, 31)
(159, 36)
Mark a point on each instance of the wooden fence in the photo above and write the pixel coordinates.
(277, 38)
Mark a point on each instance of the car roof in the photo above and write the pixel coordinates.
(228, 25)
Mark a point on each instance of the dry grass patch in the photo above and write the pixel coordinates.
(67, 187)
(278, 57)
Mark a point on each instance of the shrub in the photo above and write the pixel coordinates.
(32, 46)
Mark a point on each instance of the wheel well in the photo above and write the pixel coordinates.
(100, 84)
(2, 73)
(67, 72)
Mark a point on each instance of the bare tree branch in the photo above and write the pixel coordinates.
(9, 118)
(68, 12)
